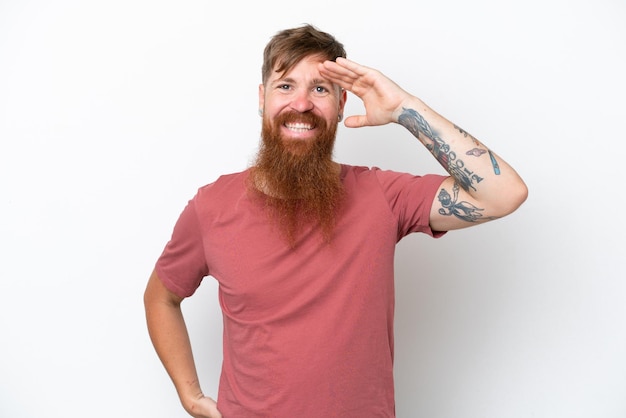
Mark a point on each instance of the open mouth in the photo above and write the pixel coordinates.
(299, 127)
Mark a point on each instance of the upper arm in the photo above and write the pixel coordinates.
(156, 292)
(454, 208)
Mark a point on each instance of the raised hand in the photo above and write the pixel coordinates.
(381, 97)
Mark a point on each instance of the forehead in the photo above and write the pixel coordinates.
(306, 67)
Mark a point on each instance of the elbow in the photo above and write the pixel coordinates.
(514, 198)
(521, 194)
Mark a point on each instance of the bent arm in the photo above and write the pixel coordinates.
(481, 186)
(170, 338)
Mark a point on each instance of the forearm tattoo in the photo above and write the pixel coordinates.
(466, 178)
(477, 152)
(494, 163)
(466, 134)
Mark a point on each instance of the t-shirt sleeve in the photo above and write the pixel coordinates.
(411, 198)
(182, 265)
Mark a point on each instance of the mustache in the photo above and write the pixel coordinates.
(305, 117)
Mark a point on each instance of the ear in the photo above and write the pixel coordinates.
(261, 96)
(343, 97)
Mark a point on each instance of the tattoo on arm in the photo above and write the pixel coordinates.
(417, 125)
(450, 206)
(477, 152)
(466, 134)
(462, 210)
(494, 163)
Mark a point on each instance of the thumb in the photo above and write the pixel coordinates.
(356, 121)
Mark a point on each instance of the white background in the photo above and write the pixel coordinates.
(113, 113)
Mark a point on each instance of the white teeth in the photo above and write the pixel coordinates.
(299, 127)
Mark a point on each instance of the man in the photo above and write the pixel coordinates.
(303, 247)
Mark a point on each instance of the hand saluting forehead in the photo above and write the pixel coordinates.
(381, 97)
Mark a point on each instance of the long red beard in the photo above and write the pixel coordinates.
(297, 178)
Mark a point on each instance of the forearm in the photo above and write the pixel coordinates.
(170, 338)
(480, 181)
(475, 168)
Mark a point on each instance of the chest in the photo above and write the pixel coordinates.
(258, 273)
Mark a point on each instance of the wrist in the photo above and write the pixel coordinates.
(189, 393)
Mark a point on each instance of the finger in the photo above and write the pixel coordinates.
(340, 66)
(353, 67)
(356, 121)
(338, 74)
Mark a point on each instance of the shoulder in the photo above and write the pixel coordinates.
(357, 172)
(232, 182)
(384, 176)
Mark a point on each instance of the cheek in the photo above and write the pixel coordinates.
(275, 107)
(331, 114)
(330, 108)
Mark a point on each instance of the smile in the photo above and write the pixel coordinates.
(299, 127)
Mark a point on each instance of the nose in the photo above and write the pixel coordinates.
(302, 101)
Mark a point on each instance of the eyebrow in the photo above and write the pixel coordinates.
(321, 81)
(315, 81)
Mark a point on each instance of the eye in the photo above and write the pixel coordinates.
(320, 90)
(284, 87)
